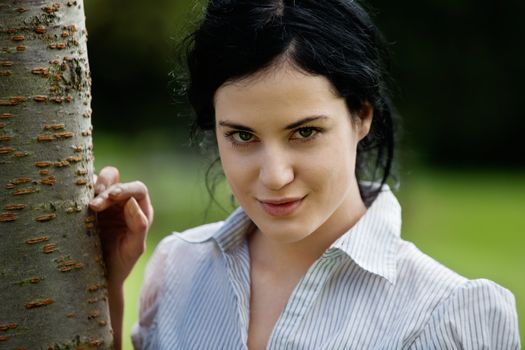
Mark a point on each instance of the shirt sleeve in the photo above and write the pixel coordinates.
(478, 315)
(151, 295)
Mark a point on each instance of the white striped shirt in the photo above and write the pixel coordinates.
(369, 290)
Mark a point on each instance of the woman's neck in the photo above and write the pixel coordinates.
(290, 259)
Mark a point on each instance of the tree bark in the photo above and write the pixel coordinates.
(52, 286)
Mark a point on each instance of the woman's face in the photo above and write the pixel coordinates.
(288, 148)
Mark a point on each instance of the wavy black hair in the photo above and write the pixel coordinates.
(332, 38)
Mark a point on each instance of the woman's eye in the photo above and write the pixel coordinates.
(242, 136)
(305, 133)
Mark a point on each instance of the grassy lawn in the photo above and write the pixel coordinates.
(473, 222)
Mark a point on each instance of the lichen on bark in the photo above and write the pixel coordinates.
(52, 285)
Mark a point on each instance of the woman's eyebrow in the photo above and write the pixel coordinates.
(293, 125)
(235, 126)
(304, 121)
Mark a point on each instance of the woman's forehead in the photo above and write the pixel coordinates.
(284, 91)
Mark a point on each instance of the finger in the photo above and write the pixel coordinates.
(136, 189)
(138, 225)
(108, 176)
(120, 193)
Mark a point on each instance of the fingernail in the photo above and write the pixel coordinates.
(96, 202)
(101, 188)
(132, 207)
(116, 191)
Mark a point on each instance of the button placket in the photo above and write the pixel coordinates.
(238, 264)
(301, 299)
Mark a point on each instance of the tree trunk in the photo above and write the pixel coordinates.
(52, 286)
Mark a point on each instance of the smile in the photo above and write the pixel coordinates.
(281, 207)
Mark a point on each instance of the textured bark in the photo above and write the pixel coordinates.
(52, 286)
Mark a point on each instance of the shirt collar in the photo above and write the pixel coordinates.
(372, 242)
(234, 230)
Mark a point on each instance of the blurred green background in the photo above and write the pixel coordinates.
(458, 68)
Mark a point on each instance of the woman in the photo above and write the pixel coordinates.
(295, 94)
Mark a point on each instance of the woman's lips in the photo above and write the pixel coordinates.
(281, 207)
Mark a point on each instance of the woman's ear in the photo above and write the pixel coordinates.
(366, 114)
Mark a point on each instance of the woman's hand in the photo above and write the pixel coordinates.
(125, 215)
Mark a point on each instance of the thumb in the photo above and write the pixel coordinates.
(137, 223)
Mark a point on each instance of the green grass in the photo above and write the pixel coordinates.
(473, 222)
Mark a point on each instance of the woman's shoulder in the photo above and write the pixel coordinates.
(477, 314)
(173, 251)
(216, 235)
(471, 312)
(182, 247)
(414, 267)
(425, 275)
(198, 234)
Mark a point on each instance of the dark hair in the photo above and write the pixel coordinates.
(332, 38)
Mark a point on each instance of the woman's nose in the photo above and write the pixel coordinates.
(276, 171)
